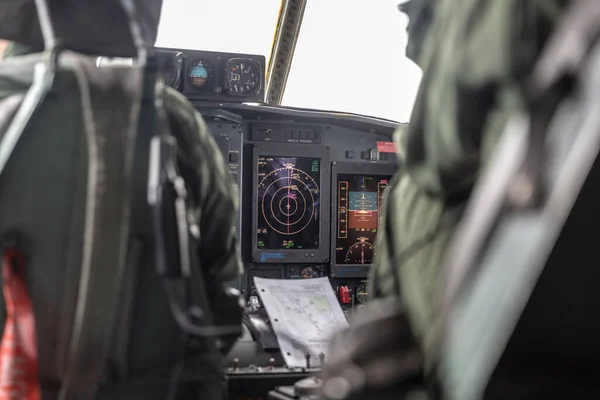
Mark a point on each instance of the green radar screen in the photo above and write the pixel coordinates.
(288, 202)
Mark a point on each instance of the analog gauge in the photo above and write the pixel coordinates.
(170, 68)
(361, 294)
(199, 74)
(361, 252)
(243, 77)
(309, 273)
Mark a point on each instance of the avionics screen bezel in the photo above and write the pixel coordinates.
(271, 256)
(351, 168)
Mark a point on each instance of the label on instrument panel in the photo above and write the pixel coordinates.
(270, 256)
(386, 147)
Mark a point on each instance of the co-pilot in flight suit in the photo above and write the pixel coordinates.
(474, 54)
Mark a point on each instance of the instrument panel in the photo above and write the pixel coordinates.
(357, 196)
(311, 183)
(317, 189)
(216, 76)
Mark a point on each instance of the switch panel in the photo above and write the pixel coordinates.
(229, 139)
(280, 133)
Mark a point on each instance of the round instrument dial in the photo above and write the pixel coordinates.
(360, 252)
(309, 273)
(361, 293)
(170, 68)
(199, 74)
(243, 77)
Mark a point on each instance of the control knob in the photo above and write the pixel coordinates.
(308, 387)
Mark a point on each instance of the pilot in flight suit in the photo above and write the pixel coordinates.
(219, 255)
(147, 341)
(475, 56)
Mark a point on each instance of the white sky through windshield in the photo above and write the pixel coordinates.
(349, 56)
(236, 26)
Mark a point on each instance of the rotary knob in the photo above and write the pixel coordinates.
(308, 387)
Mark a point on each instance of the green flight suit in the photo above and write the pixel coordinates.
(147, 341)
(216, 195)
(475, 55)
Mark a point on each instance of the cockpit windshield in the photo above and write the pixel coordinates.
(235, 26)
(349, 55)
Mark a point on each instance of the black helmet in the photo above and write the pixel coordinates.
(86, 26)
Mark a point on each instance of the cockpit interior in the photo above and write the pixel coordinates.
(311, 186)
(284, 120)
(311, 181)
(303, 111)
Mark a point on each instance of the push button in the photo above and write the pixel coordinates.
(234, 157)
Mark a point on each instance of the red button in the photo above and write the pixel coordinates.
(344, 295)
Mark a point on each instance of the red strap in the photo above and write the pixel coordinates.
(18, 350)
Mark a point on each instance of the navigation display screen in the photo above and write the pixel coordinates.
(289, 203)
(359, 200)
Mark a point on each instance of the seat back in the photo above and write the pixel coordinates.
(521, 289)
(65, 197)
(73, 196)
(74, 182)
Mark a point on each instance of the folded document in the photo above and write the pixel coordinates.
(305, 314)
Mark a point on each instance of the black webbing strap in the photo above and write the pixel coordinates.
(110, 105)
(140, 234)
(176, 261)
(121, 336)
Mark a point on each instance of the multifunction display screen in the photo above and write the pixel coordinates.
(359, 200)
(289, 203)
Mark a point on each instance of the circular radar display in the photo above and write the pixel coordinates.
(199, 74)
(288, 201)
(243, 77)
(360, 252)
